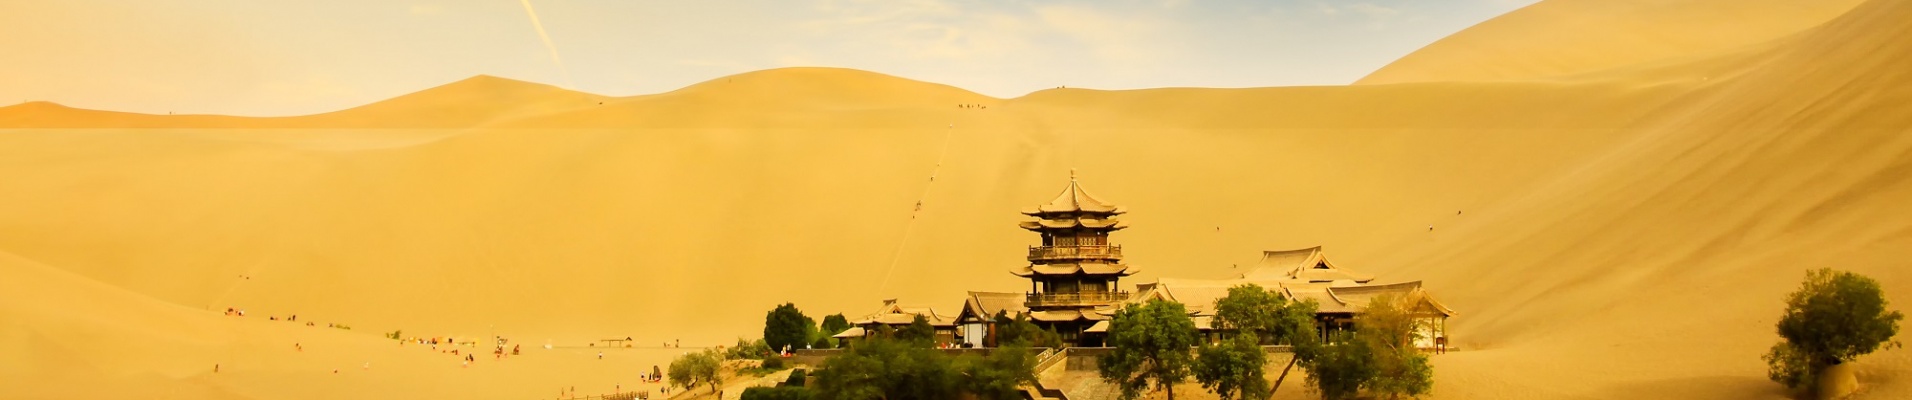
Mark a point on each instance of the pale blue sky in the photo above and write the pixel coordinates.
(284, 57)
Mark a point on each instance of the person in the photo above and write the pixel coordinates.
(297, 346)
(215, 368)
(600, 355)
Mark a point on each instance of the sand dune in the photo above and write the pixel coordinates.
(1630, 215)
(1558, 38)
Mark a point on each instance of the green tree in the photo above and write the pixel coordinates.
(1251, 310)
(1833, 318)
(1020, 331)
(883, 368)
(1340, 369)
(919, 332)
(786, 327)
(1233, 368)
(1152, 343)
(825, 342)
(692, 369)
(834, 324)
(1389, 330)
(748, 350)
(1379, 357)
(998, 375)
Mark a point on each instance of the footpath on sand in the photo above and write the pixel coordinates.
(734, 391)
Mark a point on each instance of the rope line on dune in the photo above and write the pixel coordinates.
(909, 227)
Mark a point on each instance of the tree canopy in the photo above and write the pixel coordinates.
(1233, 368)
(785, 327)
(692, 369)
(1019, 331)
(834, 324)
(885, 368)
(1152, 343)
(919, 332)
(1378, 357)
(1833, 318)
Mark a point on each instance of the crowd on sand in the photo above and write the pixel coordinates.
(502, 349)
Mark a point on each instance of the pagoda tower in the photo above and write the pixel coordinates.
(1075, 272)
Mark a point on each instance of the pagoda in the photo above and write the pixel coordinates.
(1076, 269)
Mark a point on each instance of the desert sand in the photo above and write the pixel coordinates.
(1617, 213)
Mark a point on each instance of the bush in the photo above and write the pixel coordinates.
(773, 363)
(1833, 318)
(824, 343)
(748, 350)
(395, 335)
(796, 378)
(777, 393)
(883, 368)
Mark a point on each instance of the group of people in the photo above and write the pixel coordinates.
(974, 106)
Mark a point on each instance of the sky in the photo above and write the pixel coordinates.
(289, 57)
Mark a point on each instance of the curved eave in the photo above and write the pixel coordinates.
(1075, 269)
(1047, 224)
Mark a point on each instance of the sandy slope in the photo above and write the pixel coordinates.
(1557, 38)
(1630, 218)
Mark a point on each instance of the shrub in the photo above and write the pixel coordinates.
(748, 350)
(777, 393)
(796, 378)
(773, 363)
(1833, 318)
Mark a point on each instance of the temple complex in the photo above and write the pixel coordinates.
(896, 316)
(1075, 274)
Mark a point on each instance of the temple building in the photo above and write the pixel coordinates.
(896, 316)
(1075, 274)
(1304, 274)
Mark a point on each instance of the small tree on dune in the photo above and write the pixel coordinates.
(1152, 343)
(1833, 318)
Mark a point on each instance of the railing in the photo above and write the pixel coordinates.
(1048, 358)
(1083, 298)
(1047, 253)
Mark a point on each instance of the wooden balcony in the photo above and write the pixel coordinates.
(1052, 253)
(1075, 299)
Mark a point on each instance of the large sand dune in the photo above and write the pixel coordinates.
(1628, 220)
